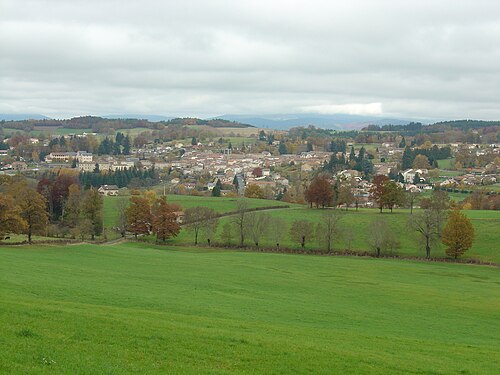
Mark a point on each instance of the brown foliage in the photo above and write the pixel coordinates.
(458, 234)
(319, 192)
(164, 223)
(138, 216)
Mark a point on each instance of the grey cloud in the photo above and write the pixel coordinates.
(416, 58)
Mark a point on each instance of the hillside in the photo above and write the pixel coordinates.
(132, 308)
(98, 123)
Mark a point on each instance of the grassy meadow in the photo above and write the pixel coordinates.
(139, 309)
(354, 226)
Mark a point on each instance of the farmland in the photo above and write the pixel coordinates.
(136, 308)
(355, 226)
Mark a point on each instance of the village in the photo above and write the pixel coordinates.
(196, 168)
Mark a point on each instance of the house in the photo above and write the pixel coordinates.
(86, 167)
(409, 174)
(84, 157)
(60, 157)
(111, 190)
(19, 166)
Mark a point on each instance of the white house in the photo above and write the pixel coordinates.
(110, 190)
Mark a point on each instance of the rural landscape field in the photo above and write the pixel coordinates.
(249, 187)
(135, 308)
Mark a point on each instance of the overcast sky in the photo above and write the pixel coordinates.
(422, 59)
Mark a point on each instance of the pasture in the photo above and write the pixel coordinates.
(354, 226)
(136, 308)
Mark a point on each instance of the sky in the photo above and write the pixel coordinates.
(435, 59)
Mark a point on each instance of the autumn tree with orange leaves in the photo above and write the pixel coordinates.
(164, 223)
(319, 193)
(139, 216)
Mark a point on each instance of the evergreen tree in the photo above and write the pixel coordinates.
(407, 160)
(217, 189)
(126, 145)
(352, 155)
(402, 144)
(282, 148)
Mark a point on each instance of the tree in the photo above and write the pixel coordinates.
(82, 229)
(393, 195)
(377, 190)
(256, 226)
(138, 216)
(411, 198)
(380, 237)
(197, 219)
(328, 229)
(300, 231)
(426, 223)
(282, 148)
(72, 206)
(216, 191)
(345, 194)
(319, 192)
(407, 160)
(210, 228)
(126, 145)
(194, 141)
(33, 210)
(458, 234)
(121, 218)
(254, 191)
(227, 234)
(91, 209)
(421, 162)
(240, 218)
(10, 217)
(278, 228)
(164, 220)
(439, 202)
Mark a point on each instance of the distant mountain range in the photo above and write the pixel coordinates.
(22, 116)
(271, 121)
(150, 118)
(336, 121)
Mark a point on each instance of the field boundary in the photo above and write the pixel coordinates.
(231, 213)
(339, 253)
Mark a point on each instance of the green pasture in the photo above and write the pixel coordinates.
(446, 163)
(354, 226)
(140, 309)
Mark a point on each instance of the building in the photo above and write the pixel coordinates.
(84, 157)
(111, 190)
(86, 167)
(60, 157)
(19, 166)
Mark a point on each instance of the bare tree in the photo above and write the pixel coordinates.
(278, 229)
(240, 218)
(121, 219)
(210, 228)
(349, 237)
(411, 198)
(427, 223)
(329, 228)
(257, 226)
(227, 233)
(301, 231)
(201, 219)
(380, 237)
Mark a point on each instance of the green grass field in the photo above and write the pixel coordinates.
(446, 163)
(138, 309)
(486, 224)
